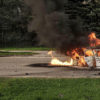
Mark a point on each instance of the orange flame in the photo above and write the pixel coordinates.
(93, 40)
(78, 53)
(81, 61)
(98, 53)
(56, 61)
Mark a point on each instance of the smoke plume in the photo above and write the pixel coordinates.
(53, 27)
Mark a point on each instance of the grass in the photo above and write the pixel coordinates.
(49, 89)
(28, 48)
(15, 53)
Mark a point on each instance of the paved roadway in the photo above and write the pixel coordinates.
(37, 66)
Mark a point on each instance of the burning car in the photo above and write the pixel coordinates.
(85, 57)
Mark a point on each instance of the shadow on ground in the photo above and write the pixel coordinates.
(46, 65)
(43, 65)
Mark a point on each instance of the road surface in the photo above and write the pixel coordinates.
(37, 66)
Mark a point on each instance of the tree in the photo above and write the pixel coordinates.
(87, 10)
(14, 18)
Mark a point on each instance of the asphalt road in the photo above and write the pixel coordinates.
(37, 66)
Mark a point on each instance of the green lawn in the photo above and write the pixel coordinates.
(49, 89)
(16, 54)
(28, 48)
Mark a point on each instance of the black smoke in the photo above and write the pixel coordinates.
(53, 27)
